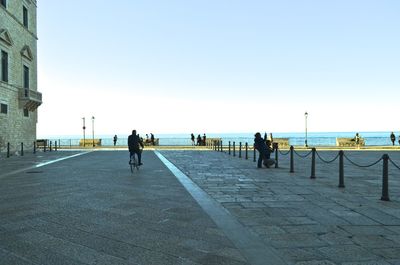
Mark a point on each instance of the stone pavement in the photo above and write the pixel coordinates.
(307, 221)
(90, 209)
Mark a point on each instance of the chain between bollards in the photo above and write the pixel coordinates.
(341, 169)
(385, 178)
(313, 163)
(291, 159)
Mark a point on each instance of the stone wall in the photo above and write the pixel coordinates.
(20, 43)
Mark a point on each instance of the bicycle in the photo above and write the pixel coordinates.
(133, 162)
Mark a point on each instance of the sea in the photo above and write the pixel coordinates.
(295, 139)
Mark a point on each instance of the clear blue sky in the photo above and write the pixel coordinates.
(219, 65)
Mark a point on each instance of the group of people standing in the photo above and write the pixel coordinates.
(200, 141)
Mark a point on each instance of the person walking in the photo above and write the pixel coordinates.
(152, 139)
(392, 138)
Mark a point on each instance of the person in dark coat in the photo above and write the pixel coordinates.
(392, 138)
(152, 139)
(262, 148)
(134, 144)
(115, 139)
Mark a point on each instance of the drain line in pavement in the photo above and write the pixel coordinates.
(251, 245)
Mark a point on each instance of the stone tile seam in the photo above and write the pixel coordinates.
(251, 246)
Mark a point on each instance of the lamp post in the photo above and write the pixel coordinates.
(84, 127)
(305, 116)
(93, 130)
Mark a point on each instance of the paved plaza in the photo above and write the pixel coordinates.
(196, 207)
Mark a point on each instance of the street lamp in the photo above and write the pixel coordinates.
(306, 115)
(93, 130)
(84, 127)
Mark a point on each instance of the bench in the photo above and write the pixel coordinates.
(90, 142)
(349, 142)
(42, 143)
(149, 143)
(282, 142)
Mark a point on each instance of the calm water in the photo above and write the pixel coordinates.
(313, 139)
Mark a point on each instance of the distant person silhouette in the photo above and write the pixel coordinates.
(204, 139)
(357, 140)
(192, 138)
(152, 139)
(134, 144)
(115, 139)
(199, 140)
(392, 138)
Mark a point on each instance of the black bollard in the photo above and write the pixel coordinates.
(44, 146)
(234, 149)
(222, 147)
(8, 149)
(50, 148)
(34, 147)
(22, 149)
(385, 178)
(291, 159)
(313, 163)
(229, 147)
(254, 154)
(341, 169)
(276, 154)
(240, 149)
(247, 150)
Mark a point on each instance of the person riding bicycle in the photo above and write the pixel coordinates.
(134, 144)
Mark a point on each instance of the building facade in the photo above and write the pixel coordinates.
(19, 96)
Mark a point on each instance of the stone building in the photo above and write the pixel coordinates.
(19, 96)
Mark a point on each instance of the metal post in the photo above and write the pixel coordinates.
(276, 154)
(254, 154)
(247, 150)
(34, 147)
(93, 131)
(44, 145)
(240, 149)
(222, 147)
(8, 149)
(341, 169)
(291, 159)
(70, 143)
(385, 178)
(234, 149)
(55, 146)
(229, 147)
(22, 149)
(51, 142)
(313, 163)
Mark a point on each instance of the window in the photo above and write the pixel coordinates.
(26, 112)
(25, 16)
(4, 3)
(26, 79)
(4, 66)
(3, 108)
